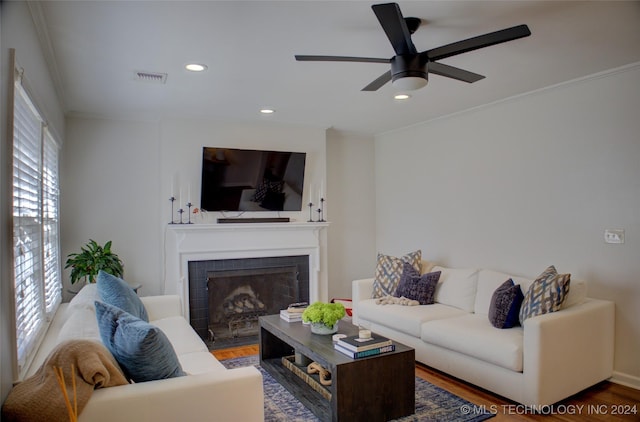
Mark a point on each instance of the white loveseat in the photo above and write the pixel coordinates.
(209, 391)
(551, 357)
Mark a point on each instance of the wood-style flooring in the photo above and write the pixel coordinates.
(605, 401)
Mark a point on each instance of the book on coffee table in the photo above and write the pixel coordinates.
(290, 316)
(357, 344)
(365, 353)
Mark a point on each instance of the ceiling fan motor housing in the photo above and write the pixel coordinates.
(404, 66)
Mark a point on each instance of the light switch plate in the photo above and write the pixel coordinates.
(614, 236)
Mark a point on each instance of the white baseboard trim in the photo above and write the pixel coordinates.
(626, 380)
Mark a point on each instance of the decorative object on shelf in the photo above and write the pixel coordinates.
(324, 317)
(180, 211)
(321, 210)
(316, 368)
(189, 205)
(310, 216)
(320, 328)
(172, 199)
(93, 258)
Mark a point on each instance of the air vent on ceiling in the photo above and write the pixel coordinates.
(155, 77)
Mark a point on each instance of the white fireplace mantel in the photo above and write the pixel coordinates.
(204, 242)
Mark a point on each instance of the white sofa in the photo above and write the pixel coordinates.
(209, 391)
(551, 357)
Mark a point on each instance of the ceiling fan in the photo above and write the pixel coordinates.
(410, 68)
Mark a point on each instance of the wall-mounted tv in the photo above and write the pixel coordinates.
(251, 180)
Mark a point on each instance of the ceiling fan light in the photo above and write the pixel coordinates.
(409, 83)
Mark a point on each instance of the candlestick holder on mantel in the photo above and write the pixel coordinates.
(310, 220)
(321, 219)
(180, 211)
(172, 199)
(189, 205)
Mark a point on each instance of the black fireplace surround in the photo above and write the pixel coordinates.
(241, 290)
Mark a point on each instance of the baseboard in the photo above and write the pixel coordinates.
(254, 220)
(626, 380)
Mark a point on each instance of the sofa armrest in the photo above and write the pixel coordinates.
(225, 395)
(164, 306)
(567, 351)
(360, 290)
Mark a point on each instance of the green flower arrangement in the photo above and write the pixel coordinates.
(325, 313)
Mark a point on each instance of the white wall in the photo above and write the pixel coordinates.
(109, 191)
(525, 183)
(351, 202)
(117, 178)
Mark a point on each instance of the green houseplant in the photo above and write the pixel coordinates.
(324, 317)
(91, 259)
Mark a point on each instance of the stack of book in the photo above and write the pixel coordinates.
(356, 347)
(293, 313)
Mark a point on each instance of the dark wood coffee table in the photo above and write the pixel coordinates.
(377, 388)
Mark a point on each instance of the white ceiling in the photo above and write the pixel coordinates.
(249, 47)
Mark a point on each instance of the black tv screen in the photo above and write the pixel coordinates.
(251, 180)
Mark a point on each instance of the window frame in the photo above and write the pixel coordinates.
(35, 218)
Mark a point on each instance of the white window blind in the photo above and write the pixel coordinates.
(35, 225)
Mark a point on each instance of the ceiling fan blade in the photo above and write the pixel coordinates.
(303, 58)
(481, 41)
(379, 82)
(395, 27)
(453, 72)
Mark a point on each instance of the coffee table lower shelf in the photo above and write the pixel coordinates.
(308, 396)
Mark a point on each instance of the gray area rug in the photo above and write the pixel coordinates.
(432, 402)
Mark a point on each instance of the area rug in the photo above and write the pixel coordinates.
(432, 402)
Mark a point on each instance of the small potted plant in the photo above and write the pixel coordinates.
(323, 317)
(93, 258)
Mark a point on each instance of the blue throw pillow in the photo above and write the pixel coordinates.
(142, 350)
(418, 287)
(505, 305)
(115, 291)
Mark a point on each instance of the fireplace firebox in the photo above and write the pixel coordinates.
(227, 296)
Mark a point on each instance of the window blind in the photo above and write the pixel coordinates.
(35, 226)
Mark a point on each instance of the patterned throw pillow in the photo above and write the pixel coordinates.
(545, 294)
(143, 351)
(505, 305)
(418, 287)
(389, 271)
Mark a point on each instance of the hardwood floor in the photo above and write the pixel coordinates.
(605, 401)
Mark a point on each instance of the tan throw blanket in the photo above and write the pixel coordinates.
(39, 397)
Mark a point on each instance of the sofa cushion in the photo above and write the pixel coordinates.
(417, 287)
(505, 305)
(183, 338)
(115, 291)
(389, 270)
(457, 287)
(577, 294)
(200, 363)
(142, 350)
(85, 298)
(81, 325)
(406, 319)
(488, 282)
(474, 336)
(546, 294)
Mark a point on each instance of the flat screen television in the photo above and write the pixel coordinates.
(251, 180)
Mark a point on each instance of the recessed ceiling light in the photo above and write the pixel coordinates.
(401, 97)
(267, 111)
(195, 67)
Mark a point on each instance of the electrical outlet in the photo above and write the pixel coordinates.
(614, 236)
